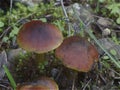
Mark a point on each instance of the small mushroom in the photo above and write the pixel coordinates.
(44, 83)
(77, 53)
(32, 87)
(39, 37)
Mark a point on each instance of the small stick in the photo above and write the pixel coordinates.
(11, 2)
(66, 17)
(86, 85)
(102, 78)
(4, 86)
(75, 74)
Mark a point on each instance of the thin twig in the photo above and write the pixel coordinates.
(86, 85)
(102, 78)
(5, 31)
(66, 17)
(59, 74)
(4, 86)
(73, 85)
(11, 2)
(64, 9)
(115, 72)
(75, 74)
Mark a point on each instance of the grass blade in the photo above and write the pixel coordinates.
(12, 81)
(96, 41)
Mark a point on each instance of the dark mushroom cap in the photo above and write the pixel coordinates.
(39, 37)
(77, 53)
(31, 87)
(43, 83)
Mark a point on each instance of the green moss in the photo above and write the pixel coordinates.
(21, 13)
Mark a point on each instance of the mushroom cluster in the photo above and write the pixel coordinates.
(39, 37)
(75, 52)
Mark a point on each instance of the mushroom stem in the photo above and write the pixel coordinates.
(40, 58)
(75, 74)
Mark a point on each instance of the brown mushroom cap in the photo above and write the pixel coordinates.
(77, 53)
(48, 82)
(39, 37)
(44, 83)
(31, 87)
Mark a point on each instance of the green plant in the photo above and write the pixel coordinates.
(24, 64)
(92, 36)
(41, 66)
(113, 52)
(115, 39)
(12, 21)
(12, 81)
(114, 10)
(107, 8)
(1, 24)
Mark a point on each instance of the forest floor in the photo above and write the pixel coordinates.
(98, 21)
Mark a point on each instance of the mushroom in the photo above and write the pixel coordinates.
(44, 83)
(31, 87)
(77, 53)
(39, 37)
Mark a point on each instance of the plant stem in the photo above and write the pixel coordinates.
(12, 81)
(40, 58)
(66, 17)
